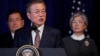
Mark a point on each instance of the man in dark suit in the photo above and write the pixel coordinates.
(49, 37)
(15, 21)
(6, 40)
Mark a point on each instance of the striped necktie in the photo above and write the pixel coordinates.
(37, 39)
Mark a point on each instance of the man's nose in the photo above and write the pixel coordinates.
(40, 14)
(15, 22)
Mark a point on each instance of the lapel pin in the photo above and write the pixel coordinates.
(86, 43)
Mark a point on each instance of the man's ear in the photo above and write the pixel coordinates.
(28, 15)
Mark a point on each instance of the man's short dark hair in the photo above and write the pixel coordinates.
(13, 12)
(33, 2)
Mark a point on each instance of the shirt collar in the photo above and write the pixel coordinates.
(79, 38)
(12, 34)
(41, 28)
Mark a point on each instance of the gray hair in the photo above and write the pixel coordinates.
(79, 14)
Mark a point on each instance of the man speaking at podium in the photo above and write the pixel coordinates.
(38, 34)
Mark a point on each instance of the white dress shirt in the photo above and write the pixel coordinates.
(34, 33)
(12, 34)
(79, 38)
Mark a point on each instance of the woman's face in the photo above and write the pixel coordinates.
(78, 24)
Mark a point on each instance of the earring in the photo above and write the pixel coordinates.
(69, 31)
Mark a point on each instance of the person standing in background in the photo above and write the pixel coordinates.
(78, 44)
(15, 21)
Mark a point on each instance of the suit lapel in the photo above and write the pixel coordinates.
(44, 35)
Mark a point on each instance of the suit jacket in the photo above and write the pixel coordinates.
(6, 40)
(85, 47)
(50, 38)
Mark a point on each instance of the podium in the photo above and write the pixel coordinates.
(42, 51)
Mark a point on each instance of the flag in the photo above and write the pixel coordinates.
(77, 5)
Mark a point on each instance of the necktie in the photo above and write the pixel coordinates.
(37, 39)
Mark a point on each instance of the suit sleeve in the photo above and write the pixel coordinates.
(94, 50)
(58, 40)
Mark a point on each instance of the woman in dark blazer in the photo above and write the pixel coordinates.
(78, 44)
